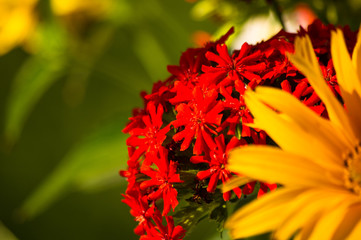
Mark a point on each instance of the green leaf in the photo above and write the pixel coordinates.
(92, 165)
(219, 214)
(5, 233)
(34, 77)
(151, 55)
(190, 215)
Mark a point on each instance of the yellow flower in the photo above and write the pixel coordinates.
(319, 160)
(17, 23)
(90, 8)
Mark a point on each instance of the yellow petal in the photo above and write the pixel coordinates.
(312, 202)
(305, 60)
(304, 117)
(236, 182)
(345, 71)
(348, 80)
(353, 216)
(330, 220)
(289, 135)
(356, 233)
(356, 55)
(306, 231)
(271, 164)
(259, 216)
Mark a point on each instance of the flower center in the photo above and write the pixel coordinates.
(140, 218)
(198, 118)
(352, 163)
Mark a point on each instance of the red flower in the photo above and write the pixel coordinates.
(329, 74)
(131, 173)
(303, 91)
(150, 135)
(189, 66)
(199, 118)
(217, 161)
(141, 211)
(183, 91)
(239, 66)
(162, 180)
(136, 120)
(165, 233)
(160, 94)
(238, 116)
(275, 58)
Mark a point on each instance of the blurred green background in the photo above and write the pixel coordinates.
(67, 89)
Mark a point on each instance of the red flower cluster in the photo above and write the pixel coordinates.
(191, 122)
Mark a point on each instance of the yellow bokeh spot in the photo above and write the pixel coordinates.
(88, 7)
(17, 23)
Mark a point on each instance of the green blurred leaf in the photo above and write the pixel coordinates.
(219, 214)
(150, 53)
(85, 54)
(34, 77)
(221, 236)
(5, 233)
(121, 12)
(92, 165)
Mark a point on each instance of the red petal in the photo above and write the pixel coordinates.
(301, 87)
(227, 195)
(178, 233)
(204, 174)
(212, 185)
(139, 230)
(148, 183)
(215, 58)
(285, 85)
(313, 99)
(198, 159)
(220, 142)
